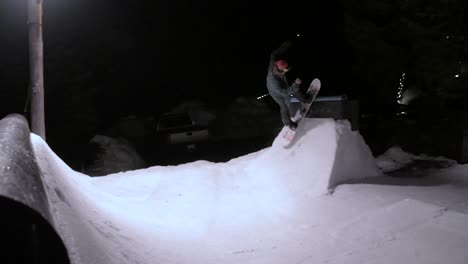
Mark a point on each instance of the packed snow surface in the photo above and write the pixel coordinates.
(322, 200)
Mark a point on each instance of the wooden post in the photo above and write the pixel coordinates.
(36, 67)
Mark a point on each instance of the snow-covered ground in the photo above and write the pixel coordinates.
(322, 200)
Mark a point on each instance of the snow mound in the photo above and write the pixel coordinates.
(393, 159)
(252, 209)
(329, 151)
(396, 158)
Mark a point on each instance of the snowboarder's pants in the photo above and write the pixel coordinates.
(284, 103)
(285, 108)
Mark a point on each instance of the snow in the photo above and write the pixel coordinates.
(395, 158)
(322, 200)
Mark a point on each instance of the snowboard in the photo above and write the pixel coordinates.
(288, 133)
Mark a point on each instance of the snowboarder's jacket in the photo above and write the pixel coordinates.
(276, 82)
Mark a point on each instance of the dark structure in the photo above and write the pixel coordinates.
(336, 107)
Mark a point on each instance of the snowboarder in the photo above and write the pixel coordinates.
(279, 88)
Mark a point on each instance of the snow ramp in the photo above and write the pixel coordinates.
(326, 153)
(253, 209)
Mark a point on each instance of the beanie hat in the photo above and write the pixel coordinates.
(282, 64)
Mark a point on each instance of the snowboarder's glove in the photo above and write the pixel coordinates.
(298, 81)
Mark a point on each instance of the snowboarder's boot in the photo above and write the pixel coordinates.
(293, 126)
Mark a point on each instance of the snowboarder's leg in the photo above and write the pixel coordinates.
(284, 109)
(302, 97)
(285, 115)
(294, 111)
(291, 123)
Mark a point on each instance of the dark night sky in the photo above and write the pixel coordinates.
(144, 56)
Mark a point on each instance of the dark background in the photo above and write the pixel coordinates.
(109, 59)
(145, 56)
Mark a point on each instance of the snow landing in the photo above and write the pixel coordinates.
(268, 207)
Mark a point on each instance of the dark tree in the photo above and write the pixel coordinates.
(425, 39)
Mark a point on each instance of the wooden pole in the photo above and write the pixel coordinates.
(36, 67)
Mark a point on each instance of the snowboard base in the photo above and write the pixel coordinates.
(287, 134)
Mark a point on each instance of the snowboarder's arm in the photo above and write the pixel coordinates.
(292, 89)
(282, 49)
(295, 88)
(298, 81)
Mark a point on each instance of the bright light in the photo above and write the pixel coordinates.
(263, 96)
(298, 35)
(447, 37)
(456, 75)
